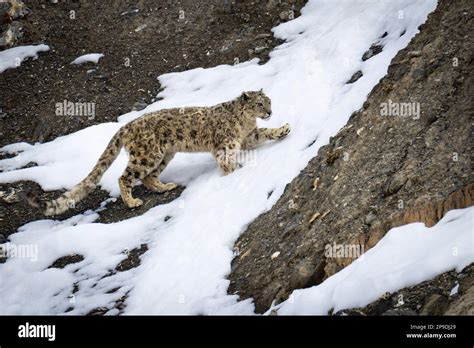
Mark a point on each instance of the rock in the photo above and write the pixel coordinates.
(13, 32)
(463, 305)
(398, 70)
(260, 49)
(427, 69)
(395, 184)
(226, 47)
(306, 274)
(272, 4)
(245, 17)
(140, 27)
(357, 75)
(229, 5)
(435, 305)
(18, 9)
(414, 54)
(372, 51)
(418, 74)
(399, 311)
(245, 254)
(139, 105)
(98, 311)
(4, 13)
(316, 183)
(263, 36)
(11, 196)
(130, 13)
(42, 130)
(132, 260)
(333, 156)
(370, 218)
(66, 260)
(293, 224)
(286, 15)
(17, 30)
(353, 313)
(3, 239)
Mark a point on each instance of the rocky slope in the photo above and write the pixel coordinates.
(140, 42)
(387, 167)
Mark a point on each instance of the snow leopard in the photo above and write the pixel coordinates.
(152, 140)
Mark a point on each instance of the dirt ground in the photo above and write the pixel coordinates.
(140, 42)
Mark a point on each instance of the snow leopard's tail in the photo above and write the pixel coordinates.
(70, 198)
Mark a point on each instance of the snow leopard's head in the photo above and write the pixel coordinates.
(258, 102)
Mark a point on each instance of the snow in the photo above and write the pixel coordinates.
(407, 255)
(13, 57)
(455, 289)
(184, 271)
(91, 57)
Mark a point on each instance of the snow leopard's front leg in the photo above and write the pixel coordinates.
(226, 155)
(260, 135)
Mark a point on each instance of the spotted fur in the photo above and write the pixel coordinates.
(152, 140)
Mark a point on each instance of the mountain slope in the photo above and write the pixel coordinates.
(380, 171)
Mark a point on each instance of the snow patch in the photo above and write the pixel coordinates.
(91, 57)
(455, 289)
(13, 57)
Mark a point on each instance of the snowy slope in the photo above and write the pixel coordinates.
(189, 255)
(407, 255)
